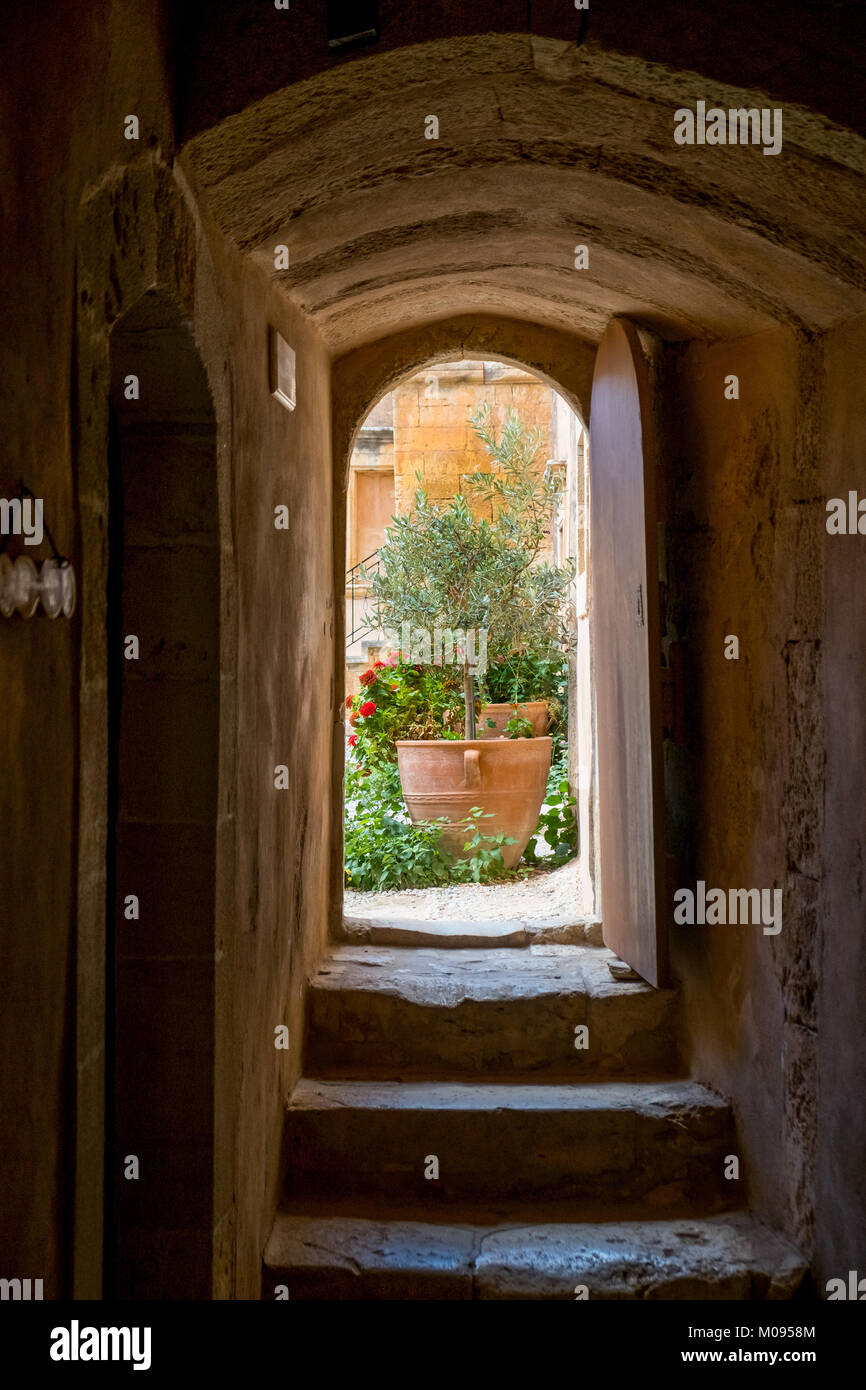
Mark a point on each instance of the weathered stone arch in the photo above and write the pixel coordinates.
(142, 263)
(361, 377)
(543, 146)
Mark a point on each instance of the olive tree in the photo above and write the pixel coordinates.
(445, 569)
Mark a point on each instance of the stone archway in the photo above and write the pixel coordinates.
(564, 361)
(143, 278)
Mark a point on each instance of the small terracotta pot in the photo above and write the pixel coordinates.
(505, 777)
(534, 710)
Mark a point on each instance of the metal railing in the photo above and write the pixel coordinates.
(357, 628)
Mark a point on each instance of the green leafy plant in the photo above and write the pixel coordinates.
(557, 824)
(485, 863)
(518, 727)
(530, 675)
(383, 849)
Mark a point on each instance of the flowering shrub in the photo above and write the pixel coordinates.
(401, 700)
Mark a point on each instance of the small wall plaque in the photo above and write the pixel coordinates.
(282, 370)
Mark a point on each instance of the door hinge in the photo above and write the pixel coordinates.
(638, 616)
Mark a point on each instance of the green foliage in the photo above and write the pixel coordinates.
(527, 675)
(558, 821)
(518, 727)
(384, 850)
(486, 861)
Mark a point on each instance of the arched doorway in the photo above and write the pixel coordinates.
(423, 419)
(163, 743)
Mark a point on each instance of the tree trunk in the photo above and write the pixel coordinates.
(468, 702)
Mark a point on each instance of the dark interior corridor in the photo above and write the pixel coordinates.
(447, 182)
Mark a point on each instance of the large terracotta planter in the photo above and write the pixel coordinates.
(533, 710)
(506, 777)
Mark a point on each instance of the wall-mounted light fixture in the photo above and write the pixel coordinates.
(23, 586)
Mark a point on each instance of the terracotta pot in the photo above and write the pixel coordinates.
(533, 710)
(505, 777)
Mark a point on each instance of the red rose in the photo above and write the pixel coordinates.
(353, 739)
(349, 699)
(352, 719)
(378, 665)
(367, 709)
(368, 677)
(395, 687)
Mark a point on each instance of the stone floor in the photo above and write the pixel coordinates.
(492, 1122)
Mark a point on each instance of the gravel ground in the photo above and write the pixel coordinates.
(547, 895)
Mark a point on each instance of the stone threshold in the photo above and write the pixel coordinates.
(388, 930)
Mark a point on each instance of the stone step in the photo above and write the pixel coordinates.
(346, 1257)
(455, 934)
(661, 1141)
(374, 1011)
(387, 928)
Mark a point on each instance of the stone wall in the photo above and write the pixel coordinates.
(839, 1060)
(432, 434)
(287, 700)
(98, 222)
(52, 1017)
(570, 443)
(746, 520)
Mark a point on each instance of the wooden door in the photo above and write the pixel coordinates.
(626, 645)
